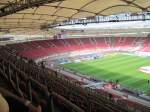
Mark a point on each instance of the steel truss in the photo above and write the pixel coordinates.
(101, 19)
(19, 5)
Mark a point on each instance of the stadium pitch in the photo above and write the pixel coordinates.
(125, 68)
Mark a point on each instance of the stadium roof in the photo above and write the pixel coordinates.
(33, 18)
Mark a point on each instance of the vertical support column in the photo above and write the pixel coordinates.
(50, 104)
(3, 69)
(17, 85)
(143, 17)
(17, 81)
(3, 66)
(88, 102)
(9, 73)
(89, 107)
(30, 90)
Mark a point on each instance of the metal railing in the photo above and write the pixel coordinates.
(101, 19)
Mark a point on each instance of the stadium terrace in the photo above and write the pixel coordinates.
(74, 56)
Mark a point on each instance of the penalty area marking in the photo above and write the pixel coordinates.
(145, 69)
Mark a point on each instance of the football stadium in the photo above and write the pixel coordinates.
(74, 55)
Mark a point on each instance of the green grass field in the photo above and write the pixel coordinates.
(124, 68)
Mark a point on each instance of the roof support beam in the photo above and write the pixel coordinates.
(132, 2)
(22, 5)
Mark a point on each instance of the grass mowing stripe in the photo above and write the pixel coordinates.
(122, 67)
(103, 61)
